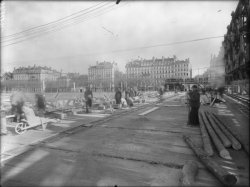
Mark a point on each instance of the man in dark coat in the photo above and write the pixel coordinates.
(88, 95)
(118, 96)
(194, 104)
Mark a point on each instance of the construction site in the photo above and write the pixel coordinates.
(159, 124)
(147, 144)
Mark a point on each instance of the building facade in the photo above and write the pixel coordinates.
(30, 79)
(101, 77)
(35, 73)
(152, 73)
(236, 46)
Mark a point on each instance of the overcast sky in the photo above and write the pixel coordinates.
(104, 37)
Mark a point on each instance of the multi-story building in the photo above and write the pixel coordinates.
(35, 73)
(236, 46)
(152, 73)
(102, 76)
(31, 79)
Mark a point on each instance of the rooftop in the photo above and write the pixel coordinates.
(34, 68)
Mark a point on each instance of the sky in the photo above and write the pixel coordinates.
(104, 31)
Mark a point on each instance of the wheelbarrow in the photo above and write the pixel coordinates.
(31, 121)
(22, 126)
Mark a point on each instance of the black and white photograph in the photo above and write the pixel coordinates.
(124, 93)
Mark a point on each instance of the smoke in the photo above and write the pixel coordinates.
(217, 70)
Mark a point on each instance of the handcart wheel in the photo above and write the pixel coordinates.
(20, 128)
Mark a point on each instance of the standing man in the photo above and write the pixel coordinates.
(118, 96)
(88, 95)
(194, 105)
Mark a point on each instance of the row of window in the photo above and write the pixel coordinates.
(163, 65)
(156, 72)
(160, 76)
(100, 77)
(100, 71)
(159, 69)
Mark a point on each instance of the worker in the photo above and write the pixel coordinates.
(88, 95)
(128, 98)
(194, 105)
(17, 101)
(118, 96)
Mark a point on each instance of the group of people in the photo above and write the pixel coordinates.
(128, 94)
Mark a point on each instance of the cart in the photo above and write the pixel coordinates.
(31, 121)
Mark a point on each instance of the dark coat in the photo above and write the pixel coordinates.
(194, 99)
(118, 95)
(88, 94)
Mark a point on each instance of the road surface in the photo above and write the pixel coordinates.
(143, 148)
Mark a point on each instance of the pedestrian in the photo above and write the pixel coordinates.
(88, 95)
(127, 93)
(194, 105)
(128, 98)
(160, 91)
(118, 96)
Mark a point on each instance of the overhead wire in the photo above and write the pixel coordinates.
(49, 23)
(47, 30)
(78, 21)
